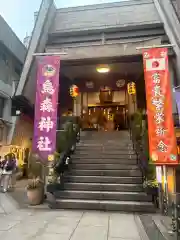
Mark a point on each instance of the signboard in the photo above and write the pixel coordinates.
(44, 141)
(162, 140)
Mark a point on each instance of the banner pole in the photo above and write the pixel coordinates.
(156, 46)
(49, 54)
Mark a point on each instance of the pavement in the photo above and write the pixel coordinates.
(45, 224)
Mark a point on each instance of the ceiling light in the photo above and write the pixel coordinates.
(103, 69)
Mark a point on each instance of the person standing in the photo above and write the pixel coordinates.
(8, 167)
(12, 180)
(1, 170)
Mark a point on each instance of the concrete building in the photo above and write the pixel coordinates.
(12, 57)
(111, 40)
(88, 36)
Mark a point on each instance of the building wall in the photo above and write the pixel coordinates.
(37, 44)
(10, 71)
(11, 41)
(23, 133)
(178, 7)
(10, 67)
(176, 4)
(105, 16)
(22, 136)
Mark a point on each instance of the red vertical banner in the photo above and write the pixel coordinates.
(162, 141)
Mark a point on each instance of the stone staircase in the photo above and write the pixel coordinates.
(104, 176)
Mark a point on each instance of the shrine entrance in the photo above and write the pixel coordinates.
(103, 102)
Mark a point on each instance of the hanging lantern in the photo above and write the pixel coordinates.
(131, 87)
(74, 91)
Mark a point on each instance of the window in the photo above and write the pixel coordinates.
(18, 70)
(3, 57)
(1, 107)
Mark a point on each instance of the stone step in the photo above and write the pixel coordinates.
(127, 161)
(102, 179)
(104, 187)
(113, 173)
(103, 195)
(106, 141)
(102, 166)
(103, 205)
(93, 155)
(97, 144)
(103, 175)
(104, 147)
(104, 152)
(110, 135)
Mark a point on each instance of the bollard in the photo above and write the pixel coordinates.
(165, 204)
(160, 198)
(178, 219)
(173, 219)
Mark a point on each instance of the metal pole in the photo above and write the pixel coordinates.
(156, 46)
(49, 54)
(160, 197)
(165, 200)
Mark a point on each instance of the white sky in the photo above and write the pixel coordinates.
(19, 14)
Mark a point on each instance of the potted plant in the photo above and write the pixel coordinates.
(35, 191)
(151, 187)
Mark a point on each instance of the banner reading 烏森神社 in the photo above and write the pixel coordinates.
(45, 121)
(162, 140)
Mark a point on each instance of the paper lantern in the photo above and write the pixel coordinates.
(131, 88)
(74, 91)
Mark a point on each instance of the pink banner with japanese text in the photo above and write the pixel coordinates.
(162, 140)
(45, 120)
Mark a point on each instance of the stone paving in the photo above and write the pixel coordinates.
(45, 224)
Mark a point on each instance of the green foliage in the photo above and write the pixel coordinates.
(145, 143)
(35, 168)
(150, 183)
(65, 136)
(52, 175)
(34, 183)
(151, 169)
(61, 141)
(136, 125)
(140, 134)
